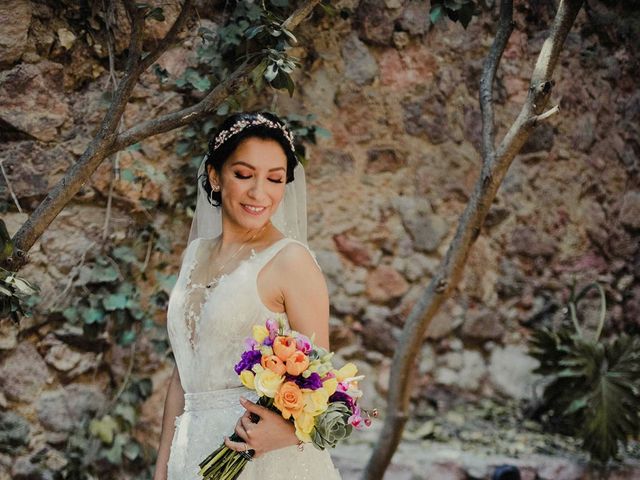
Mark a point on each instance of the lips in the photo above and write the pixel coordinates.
(253, 209)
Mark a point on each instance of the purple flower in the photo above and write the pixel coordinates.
(250, 343)
(313, 382)
(272, 326)
(343, 397)
(249, 359)
(268, 341)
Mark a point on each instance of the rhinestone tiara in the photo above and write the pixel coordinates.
(240, 125)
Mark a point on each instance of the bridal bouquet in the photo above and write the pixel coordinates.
(297, 379)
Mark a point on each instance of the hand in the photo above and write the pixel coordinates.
(269, 433)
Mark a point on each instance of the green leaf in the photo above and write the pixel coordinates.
(104, 429)
(127, 338)
(114, 301)
(132, 450)
(114, 454)
(127, 413)
(156, 14)
(435, 14)
(93, 315)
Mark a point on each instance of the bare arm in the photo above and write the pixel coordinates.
(173, 406)
(306, 297)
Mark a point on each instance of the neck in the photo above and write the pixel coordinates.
(234, 235)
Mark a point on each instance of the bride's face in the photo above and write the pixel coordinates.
(252, 182)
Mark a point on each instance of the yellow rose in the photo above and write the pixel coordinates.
(315, 401)
(349, 370)
(305, 437)
(266, 351)
(304, 425)
(260, 332)
(247, 379)
(267, 382)
(330, 386)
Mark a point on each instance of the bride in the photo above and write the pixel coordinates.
(246, 260)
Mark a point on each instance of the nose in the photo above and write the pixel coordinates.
(257, 189)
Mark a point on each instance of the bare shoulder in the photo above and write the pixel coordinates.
(298, 259)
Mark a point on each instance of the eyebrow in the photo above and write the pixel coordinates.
(240, 162)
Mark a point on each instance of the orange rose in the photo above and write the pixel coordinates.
(283, 347)
(289, 400)
(273, 363)
(297, 363)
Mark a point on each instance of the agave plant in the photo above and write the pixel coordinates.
(594, 388)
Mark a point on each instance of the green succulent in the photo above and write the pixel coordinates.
(332, 426)
(594, 388)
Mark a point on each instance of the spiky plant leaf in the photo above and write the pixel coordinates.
(611, 411)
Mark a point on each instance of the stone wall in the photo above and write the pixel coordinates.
(399, 97)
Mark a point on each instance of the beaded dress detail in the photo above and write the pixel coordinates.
(207, 328)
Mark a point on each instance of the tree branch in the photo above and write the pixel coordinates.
(490, 66)
(237, 80)
(108, 141)
(469, 227)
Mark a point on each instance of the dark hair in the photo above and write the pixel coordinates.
(217, 157)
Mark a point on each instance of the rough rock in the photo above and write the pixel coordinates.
(8, 334)
(14, 429)
(427, 116)
(630, 211)
(540, 140)
(31, 99)
(63, 409)
(384, 160)
(483, 325)
(530, 242)
(353, 249)
(32, 169)
(23, 374)
(375, 22)
(426, 228)
(465, 370)
(511, 371)
(15, 18)
(360, 65)
(449, 317)
(385, 283)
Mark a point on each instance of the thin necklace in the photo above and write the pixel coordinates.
(217, 276)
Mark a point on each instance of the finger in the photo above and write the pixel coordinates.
(242, 431)
(253, 408)
(247, 424)
(237, 446)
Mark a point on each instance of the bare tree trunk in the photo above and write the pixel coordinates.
(109, 141)
(494, 168)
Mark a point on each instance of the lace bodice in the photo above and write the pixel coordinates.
(207, 326)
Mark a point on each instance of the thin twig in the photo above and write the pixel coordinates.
(548, 113)
(6, 179)
(490, 66)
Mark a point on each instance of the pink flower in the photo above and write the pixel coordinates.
(355, 421)
(303, 343)
(250, 343)
(343, 387)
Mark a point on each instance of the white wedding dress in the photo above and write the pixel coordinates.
(207, 328)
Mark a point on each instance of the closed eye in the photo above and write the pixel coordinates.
(244, 177)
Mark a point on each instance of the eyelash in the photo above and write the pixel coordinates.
(244, 177)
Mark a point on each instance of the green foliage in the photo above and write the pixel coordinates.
(594, 386)
(16, 293)
(105, 444)
(457, 10)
